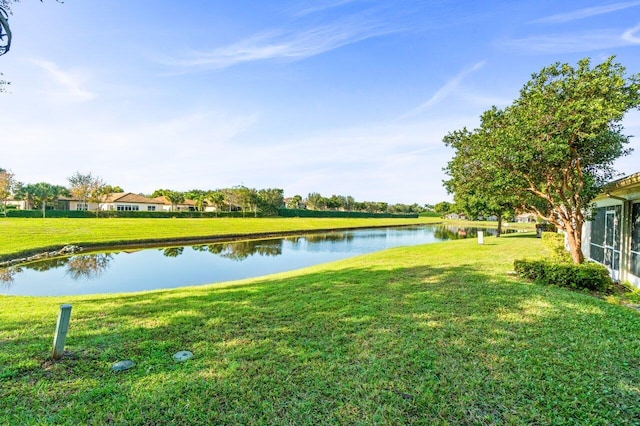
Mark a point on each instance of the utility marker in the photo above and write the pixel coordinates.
(61, 331)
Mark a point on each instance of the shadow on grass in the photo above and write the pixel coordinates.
(361, 345)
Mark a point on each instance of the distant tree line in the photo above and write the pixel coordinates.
(316, 201)
(91, 189)
(237, 198)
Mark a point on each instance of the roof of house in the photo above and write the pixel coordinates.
(130, 197)
(164, 200)
(623, 186)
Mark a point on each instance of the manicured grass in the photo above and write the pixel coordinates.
(21, 235)
(434, 334)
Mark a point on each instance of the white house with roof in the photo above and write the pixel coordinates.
(613, 236)
(128, 201)
(118, 201)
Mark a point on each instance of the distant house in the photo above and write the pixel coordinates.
(18, 204)
(613, 236)
(128, 201)
(526, 218)
(186, 205)
(74, 203)
(456, 216)
(118, 201)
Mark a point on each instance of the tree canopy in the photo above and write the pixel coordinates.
(88, 188)
(42, 193)
(552, 150)
(479, 188)
(8, 186)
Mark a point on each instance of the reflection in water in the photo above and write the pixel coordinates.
(7, 274)
(457, 232)
(45, 265)
(85, 266)
(88, 266)
(240, 250)
(172, 251)
(322, 238)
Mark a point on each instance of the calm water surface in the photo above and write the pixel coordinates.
(162, 268)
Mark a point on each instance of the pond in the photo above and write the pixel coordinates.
(170, 267)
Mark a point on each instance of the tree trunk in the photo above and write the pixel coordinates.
(499, 224)
(574, 239)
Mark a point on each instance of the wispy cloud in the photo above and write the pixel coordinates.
(630, 35)
(585, 13)
(575, 42)
(68, 84)
(289, 45)
(448, 89)
(317, 7)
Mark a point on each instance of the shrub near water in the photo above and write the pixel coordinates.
(586, 276)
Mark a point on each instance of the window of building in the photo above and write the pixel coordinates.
(635, 240)
(82, 206)
(151, 208)
(605, 236)
(127, 207)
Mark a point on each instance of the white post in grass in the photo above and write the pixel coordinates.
(480, 237)
(61, 331)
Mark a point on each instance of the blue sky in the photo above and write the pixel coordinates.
(348, 97)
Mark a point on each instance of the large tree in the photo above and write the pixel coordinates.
(88, 188)
(478, 187)
(217, 199)
(270, 200)
(8, 185)
(294, 202)
(199, 197)
(175, 198)
(315, 201)
(41, 194)
(248, 198)
(554, 147)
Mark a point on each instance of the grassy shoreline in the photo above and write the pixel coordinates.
(24, 237)
(433, 334)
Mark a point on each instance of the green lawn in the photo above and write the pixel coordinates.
(434, 334)
(29, 235)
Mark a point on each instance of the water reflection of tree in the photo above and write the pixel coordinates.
(45, 265)
(88, 266)
(320, 238)
(456, 232)
(449, 233)
(7, 274)
(172, 251)
(240, 250)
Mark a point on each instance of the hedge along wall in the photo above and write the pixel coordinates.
(331, 213)
(124, 214)
(195, 215)
(50, 213)
(429, 214)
